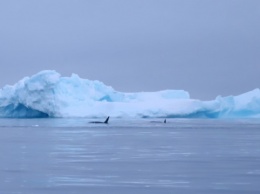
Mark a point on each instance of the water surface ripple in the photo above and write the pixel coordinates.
(70, 156)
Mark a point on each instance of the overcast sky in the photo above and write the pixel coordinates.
(206, 47)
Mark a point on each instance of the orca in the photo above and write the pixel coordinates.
(100, 122)
(159, 121)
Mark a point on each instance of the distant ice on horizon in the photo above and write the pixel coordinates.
(47, 94)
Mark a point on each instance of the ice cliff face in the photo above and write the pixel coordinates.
(47, 94)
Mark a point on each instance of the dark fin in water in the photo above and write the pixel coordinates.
(100, 122)
(159, 121)
(106, 121)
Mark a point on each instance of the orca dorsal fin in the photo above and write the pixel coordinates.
(164, 121)
(106, 121)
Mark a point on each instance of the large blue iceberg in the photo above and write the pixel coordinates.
(47, 94)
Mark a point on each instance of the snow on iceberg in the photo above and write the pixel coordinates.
(47, 94)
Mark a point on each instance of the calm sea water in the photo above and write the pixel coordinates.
(71, 156)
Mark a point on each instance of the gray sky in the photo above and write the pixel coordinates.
(207, 47)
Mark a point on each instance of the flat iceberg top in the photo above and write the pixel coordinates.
(47, 94)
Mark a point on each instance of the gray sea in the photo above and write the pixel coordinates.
(183, 156)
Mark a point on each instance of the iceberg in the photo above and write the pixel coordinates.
(48, 94)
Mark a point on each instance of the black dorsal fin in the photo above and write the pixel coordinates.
(106, 121)
(164, 121)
